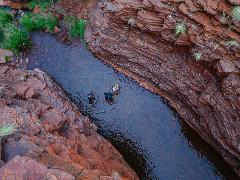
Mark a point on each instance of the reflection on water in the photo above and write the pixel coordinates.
(139, 124)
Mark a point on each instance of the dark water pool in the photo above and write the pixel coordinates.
(155, 143)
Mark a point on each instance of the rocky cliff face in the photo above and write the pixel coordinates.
(197, 71)
(53, 140)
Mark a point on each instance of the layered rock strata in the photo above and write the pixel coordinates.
(196, 71)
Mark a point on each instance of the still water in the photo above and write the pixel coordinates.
(150, 136)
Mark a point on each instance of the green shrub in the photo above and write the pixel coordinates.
(236, 13)
(197, 56)
(77, 29)
(231, 43)
(43, 4)
(5, 18)
(180, 29)
(41, 21)
(1, 35)
(14, 38)
(6, 130)
(7, 59)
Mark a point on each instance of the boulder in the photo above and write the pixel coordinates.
(27, 168)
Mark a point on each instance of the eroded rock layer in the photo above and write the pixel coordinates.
(53, 140)
(138, 38)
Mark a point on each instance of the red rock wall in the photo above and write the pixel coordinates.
(205, 93)
(53, 140)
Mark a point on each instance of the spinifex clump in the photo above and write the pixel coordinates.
(43, 4)
(41, 21)
(77, 28)
(11, 36)
(5, 18)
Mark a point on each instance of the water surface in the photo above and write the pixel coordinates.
(152, 139)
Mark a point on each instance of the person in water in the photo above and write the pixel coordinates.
(116, 89)
(109, 97)
(91, 97)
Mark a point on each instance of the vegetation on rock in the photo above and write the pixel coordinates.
(5, 18)
(14, 33)
(41, 21)
(231, 43)
(43, 4)
(14, 38)
(197, 56)
(77, 28)
(180, 29)
(236, 13)
(7, 130)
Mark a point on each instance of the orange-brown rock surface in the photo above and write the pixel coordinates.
(53, 140)
(15, 4)
(138, 38)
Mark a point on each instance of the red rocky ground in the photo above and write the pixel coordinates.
(53, 140)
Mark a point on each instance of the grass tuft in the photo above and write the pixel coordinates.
(231, 43)
(41, 21)
(1, 35)
(14, 38)
(5, 18)
(77, 29)
(7, 130)
(43, 4)
(180, 29)
(236, 13)
(197, 56)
